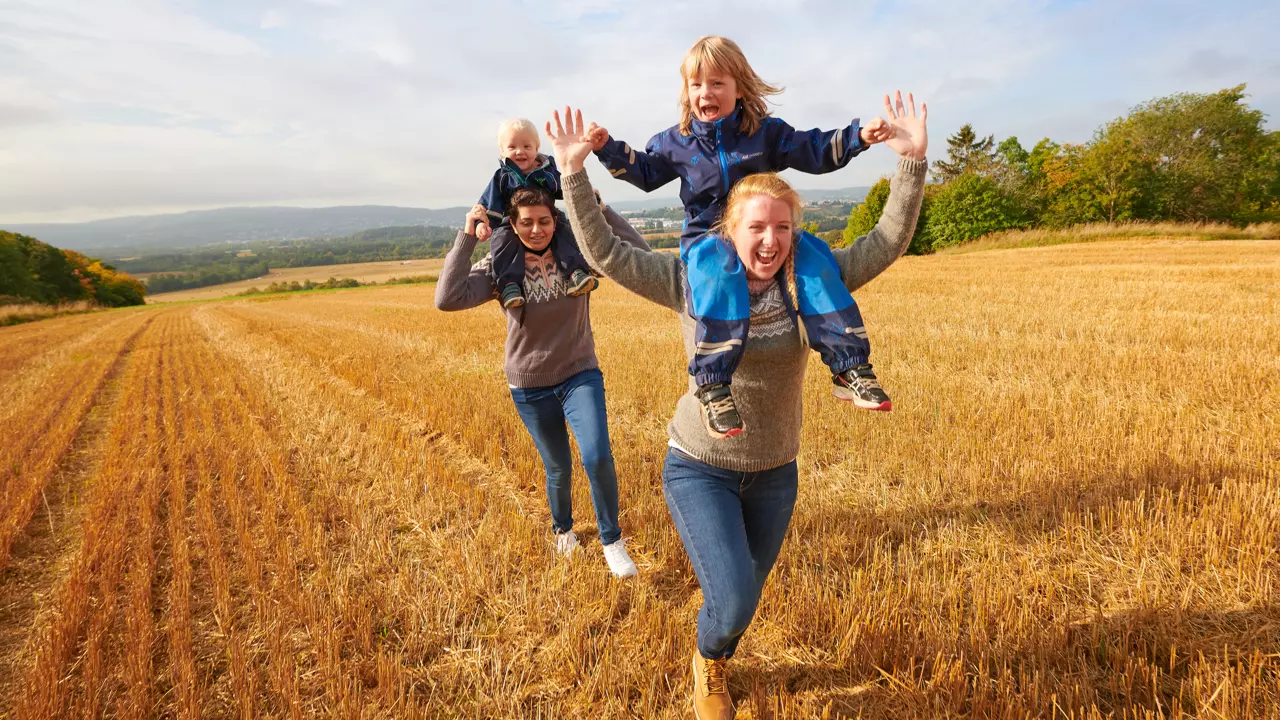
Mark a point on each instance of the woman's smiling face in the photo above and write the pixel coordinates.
(535, 225)
(762, 234)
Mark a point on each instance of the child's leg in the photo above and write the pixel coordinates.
(508, 257)
(834, 325)
(716, 295)
(830, 314)
(564, 246)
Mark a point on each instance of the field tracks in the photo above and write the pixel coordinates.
(36, 550)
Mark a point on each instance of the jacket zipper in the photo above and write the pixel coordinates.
(724, 161)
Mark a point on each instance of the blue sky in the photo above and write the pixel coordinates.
(119, 107)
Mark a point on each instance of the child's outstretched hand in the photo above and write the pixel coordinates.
(597, 135)
(875, 131)
(483, 232)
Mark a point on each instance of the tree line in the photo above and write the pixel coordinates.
(33, 271)
(1187, 158)
(215, 265)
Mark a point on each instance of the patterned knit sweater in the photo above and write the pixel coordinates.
(767, 385)
(549, 340)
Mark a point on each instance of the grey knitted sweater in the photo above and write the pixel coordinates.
(549, 340)
(768, 383)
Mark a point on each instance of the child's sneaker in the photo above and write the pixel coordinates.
(719, 412)
(620, 563)
(512, 296)
(859, 386)
(566, 543)
(581, 283)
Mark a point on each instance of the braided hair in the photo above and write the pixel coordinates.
(770, 185)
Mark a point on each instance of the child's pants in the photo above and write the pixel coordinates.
(716, 295)
(508, 253)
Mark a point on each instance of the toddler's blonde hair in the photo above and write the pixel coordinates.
(722, 55)
(515, 125)
(770, 185)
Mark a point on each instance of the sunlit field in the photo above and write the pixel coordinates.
(370, 272)
(324, 505)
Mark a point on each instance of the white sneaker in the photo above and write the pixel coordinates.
(566, 543)
(620, 563)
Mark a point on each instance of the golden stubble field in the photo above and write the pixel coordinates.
(325, 505)
(370, 272)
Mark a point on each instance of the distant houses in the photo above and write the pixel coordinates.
(648, 224)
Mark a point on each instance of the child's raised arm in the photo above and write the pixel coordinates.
(646, 170)
(818, 151)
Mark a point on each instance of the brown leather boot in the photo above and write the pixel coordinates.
(711, 699)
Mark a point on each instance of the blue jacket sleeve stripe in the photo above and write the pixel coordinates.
(815, 151)
(646, 170)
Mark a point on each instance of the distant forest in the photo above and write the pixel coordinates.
(1185, 158)
(217, 264)
(33, 271)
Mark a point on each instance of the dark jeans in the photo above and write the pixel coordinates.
(579, 401)
(508, 253)
(716, 295)
(732, 525)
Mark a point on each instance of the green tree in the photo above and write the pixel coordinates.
(970, 206)
(1210, 157)
(864, 216)
(968, 153)
(17, 279)
(1104, 181)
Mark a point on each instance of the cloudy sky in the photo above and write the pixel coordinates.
(117, 107)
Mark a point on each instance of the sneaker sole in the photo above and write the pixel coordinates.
(849, 397)
(586, 287)
(513, 304)
(720, 436)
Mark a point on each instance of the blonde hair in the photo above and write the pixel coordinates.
(516, 125)
(722, 55)
(769, 185)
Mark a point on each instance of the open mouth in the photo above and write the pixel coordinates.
(709, 111)
(766, 258)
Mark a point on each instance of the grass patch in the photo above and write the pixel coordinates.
(1096, 232)
(27, 312)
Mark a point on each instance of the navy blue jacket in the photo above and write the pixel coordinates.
(508, 179)
(716, 155)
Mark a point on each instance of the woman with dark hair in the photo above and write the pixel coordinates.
(551, 364)
(732, 499)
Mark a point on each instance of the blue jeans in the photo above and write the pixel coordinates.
(580, 401)
(732, 525)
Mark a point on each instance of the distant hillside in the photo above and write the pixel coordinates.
(197, 228)
(244, 224)
(34, 271)
(188, 268)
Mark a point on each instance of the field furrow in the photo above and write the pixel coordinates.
(42, 552)
(38, 437)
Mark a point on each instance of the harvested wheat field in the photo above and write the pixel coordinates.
(325, 506)
(369, 272)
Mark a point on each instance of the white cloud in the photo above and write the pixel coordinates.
(126, 106)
